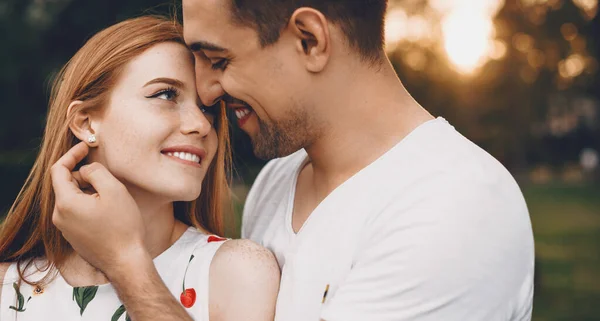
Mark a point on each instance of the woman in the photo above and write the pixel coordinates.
(129, 94)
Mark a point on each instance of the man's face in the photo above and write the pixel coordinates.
(267, 87)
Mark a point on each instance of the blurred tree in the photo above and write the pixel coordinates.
(532, 100)
(38, 38)
(529, 101)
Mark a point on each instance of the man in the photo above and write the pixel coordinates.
(374, 209)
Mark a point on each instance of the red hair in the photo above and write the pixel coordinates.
(27, 231)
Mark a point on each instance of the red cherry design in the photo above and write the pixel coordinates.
(214, 238)
(188, 298)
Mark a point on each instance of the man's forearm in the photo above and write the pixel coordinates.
(144, 294)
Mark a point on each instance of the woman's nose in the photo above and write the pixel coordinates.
(194, 121)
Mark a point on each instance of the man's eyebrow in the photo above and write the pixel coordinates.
(168, 81)
(203, 45)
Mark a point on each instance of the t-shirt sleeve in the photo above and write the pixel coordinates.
(459, 256)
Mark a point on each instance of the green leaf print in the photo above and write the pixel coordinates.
(119, 313)
(83, 296)
(20, 300)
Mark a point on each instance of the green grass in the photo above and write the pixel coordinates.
(566, 224)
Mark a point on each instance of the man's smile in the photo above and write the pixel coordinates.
(242, 110)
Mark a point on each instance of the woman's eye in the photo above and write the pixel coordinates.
(167, 94)
(219, 64)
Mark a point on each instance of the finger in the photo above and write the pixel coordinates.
(100, 179)
(56, 218)
(81, 183)
(84, 186)
(62, 180)
(75, 155)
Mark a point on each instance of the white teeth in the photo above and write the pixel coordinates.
(186, 156)
(242, 112)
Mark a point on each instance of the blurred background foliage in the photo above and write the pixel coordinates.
(518, 77)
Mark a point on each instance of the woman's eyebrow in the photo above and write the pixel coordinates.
(168, 81)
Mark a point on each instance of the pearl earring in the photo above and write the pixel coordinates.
(92, 139)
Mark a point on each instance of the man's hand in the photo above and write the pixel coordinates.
(105, 226)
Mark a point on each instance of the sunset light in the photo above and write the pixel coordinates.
(467, 39)
(463, 30)
(464, 33)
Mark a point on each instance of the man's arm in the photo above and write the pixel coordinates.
(143, 292)
(106, 229)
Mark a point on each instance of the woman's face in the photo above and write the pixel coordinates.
(154, 135)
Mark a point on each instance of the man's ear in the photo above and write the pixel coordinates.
(81, 123)
(312, 35)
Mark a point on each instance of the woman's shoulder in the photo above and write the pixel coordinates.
(230, 258)
(244, 281)
(239, 255)
(240, 258)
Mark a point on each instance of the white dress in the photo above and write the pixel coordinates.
(184, 268)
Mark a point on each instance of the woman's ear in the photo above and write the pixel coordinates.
(312, 35)
(81, 123)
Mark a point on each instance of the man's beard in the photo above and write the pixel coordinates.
(282, 138)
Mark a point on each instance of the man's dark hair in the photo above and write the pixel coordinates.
(362, 21)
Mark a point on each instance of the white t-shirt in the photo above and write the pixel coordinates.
(436, 229)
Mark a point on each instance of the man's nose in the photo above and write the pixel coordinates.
(208, 85)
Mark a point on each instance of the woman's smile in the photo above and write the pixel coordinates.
(188, 155)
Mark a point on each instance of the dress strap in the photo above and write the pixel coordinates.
(195, 288)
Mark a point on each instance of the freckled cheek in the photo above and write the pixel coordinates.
(132, 144)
